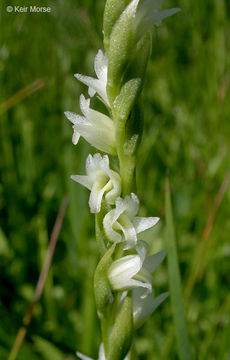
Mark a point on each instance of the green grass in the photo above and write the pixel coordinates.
(187, 131)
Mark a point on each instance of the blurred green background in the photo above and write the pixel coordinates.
(186, 105)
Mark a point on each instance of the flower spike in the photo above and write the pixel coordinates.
(101, 180)
(97, 128)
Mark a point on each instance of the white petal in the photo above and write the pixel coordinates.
(152, 262)
(108, 223)
(159, 300)
(125, 224)
(101, 352)
(96, 196)
(83, 180)
(144, 307)
(75, 137)
(83, 357)
(132, 204)
(122, 270)
(97, 162)
(125, 267)
(100, 137)
(74, 118)
(113, 194)
(110, 219)
(144, 223)
(94, 85)
(101, 65)
(84, 105)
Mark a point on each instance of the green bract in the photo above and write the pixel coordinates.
(120, 338)
(120, 47)
(103, 293)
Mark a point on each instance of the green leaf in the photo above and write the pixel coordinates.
(47, 349)
(120, 338)
(175, 281)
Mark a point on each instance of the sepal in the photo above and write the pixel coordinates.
(97, 85)
(144, 307)
(148, 14)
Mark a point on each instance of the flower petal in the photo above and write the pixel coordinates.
(83, 180)
(97, 85)
(96, 196)
(144, 223)
(83, 357)
(122, 270)
(152, 262)
(101, 66)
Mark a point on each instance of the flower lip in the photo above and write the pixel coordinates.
(122, 225)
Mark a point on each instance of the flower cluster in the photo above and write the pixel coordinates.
(125, 271)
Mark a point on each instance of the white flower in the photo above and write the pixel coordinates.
(134, 271)
(122, 224)
(97, 85)
(101, 180)
(144, 306)
(97, 128)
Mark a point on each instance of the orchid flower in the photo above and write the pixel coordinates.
(98, 129)
(97, 85)
(101, 180)
(134, 271)
(122, 224)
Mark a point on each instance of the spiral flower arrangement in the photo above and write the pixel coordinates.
(123, 278)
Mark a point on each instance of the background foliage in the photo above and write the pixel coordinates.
(187, 131)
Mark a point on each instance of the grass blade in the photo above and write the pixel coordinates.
(175, 281)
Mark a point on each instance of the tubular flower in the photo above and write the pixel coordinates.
(97, 128)
(134, 271)
(101, 180)
(122, 224)
(97, 85)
